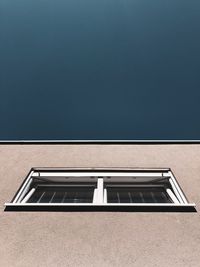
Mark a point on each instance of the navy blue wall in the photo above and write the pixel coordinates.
(99, 69)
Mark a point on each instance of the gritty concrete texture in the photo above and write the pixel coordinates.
(99, 238)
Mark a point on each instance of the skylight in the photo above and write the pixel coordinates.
(63, 189)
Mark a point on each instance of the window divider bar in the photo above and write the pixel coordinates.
(100, 192)
(105, 196)
(24, 186)
(172, 196)
(25, 190)
(178, 188)
(95, 196)
(176, 191)
(27, 197)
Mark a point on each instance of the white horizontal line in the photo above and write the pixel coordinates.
(81, 174)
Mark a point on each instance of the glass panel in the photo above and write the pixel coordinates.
(137, 195)
(62, 194)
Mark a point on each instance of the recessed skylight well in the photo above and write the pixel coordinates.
(64, 189)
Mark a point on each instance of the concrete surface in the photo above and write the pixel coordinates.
(99, 239)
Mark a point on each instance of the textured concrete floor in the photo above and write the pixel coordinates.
(99, 239)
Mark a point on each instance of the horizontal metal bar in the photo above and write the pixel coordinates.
(102, 169)
(103, 204)
(97, 174)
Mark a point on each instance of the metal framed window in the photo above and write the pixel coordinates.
(62, 189)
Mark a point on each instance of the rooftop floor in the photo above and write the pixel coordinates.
(99, 238)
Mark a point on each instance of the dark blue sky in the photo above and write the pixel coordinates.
(100, 69)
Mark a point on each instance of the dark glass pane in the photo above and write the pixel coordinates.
(137, 195)
(62, 194)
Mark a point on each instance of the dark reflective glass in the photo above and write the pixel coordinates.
(137, 195)
(64, 194)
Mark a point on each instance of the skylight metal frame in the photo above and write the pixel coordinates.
(99, 202)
